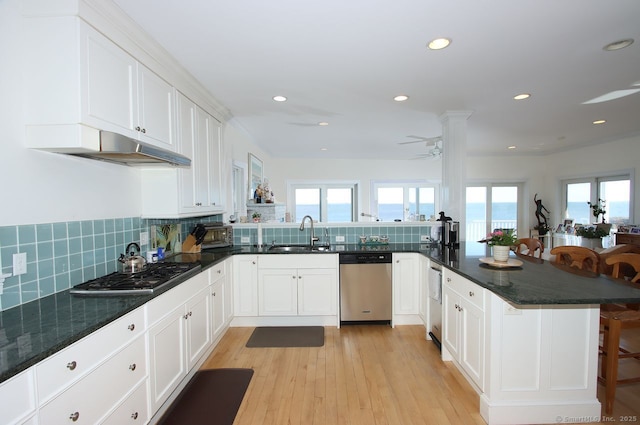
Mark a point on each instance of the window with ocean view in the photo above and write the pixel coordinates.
(324, 202)
(491, 207)
(406, 201)
(614, 190)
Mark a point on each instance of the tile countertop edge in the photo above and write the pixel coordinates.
(15, 318)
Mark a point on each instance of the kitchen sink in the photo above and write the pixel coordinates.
(298, 248)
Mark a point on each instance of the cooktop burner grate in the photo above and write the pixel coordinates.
(145, 282)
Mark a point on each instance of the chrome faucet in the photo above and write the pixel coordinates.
(313, 237)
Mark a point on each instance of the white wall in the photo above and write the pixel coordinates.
(40, 187)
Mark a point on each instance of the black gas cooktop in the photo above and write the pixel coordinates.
(152, 277)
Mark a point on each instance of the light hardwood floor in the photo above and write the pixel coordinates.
(363, 375)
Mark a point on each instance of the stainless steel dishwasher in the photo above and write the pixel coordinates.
(365, 287)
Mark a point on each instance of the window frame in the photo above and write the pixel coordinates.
(594, 180)
(522, 228)
(405, 185)
(323, 185)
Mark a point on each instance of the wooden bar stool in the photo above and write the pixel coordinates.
(578, 257)
(530, 246)
(614, 318)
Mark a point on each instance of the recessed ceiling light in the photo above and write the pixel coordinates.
(279, 98)
(600, 121)
(324, 149)
(511, 147)
(323, 123)
(439, 43)
(522, 96)
(401, 98)
(617, 45)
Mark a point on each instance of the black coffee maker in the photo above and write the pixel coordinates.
(449, 231)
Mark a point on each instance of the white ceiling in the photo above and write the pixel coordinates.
(343, 61)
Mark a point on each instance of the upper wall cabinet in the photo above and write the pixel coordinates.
(80, 82)
(194, 191)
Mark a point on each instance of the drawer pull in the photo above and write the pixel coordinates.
(131, 327)
(132, 367)
(214, 294)
(144, 130)
(138, 128)
(134, 415)
(219, 271)
(186, 316)
(448, 279)
(471, 294)
(72, 365)
(74, 416)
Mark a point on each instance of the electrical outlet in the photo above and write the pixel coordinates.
(425, 238)
(144, 238)
(19, 263)
(339, 239)
(245, 239)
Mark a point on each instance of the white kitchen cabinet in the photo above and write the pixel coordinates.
(180, 334)
(406, 288)
(423, 305)
(278, 292)
(220, 296)
(99, 392)
(463, 333)
(133, 410)
(188, 191)
(245, 285)
(71, 364)
(297, 285)
(18, 398)
(89, 84)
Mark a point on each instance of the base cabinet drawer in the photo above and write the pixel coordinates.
(71, 364)
(91, 398)
(133, 410)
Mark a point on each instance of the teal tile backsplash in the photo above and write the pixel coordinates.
(61, 255)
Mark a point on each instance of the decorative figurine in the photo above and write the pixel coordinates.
(542, 219)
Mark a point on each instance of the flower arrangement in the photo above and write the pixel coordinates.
(501, 238)
(597, 208)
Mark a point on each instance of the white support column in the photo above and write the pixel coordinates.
(454, 158)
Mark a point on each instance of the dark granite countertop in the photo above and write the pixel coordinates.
(33, 331)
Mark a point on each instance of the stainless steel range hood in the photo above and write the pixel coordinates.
(120, 149)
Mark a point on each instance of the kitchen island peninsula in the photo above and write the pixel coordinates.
(525, 338)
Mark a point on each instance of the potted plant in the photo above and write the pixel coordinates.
(256, 217)
(591, 236)
(542, 228)
(501, 242)
(598, 209)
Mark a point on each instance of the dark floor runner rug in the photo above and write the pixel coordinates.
(212, 397)
(287, 336)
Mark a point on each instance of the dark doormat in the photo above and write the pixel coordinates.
(287, 336)
(212, 397)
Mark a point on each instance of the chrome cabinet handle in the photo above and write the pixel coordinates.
(132, 367)
(219, 271)
(131, 326)
(186, 316)
(74, 416)
(253, 262)
(471, 294)
(134, 415)
(72, 365)
(144, 130)
(138, 128)
(448, 279)
(214, 294)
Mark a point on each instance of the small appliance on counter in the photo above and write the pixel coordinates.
(448, 235)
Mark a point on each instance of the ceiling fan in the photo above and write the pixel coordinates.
(435, 143)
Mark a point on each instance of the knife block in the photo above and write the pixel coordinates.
(189, 245)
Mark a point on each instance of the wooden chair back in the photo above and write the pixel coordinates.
(625, 269)
(578, 257)
(532, 245)
(618, 260)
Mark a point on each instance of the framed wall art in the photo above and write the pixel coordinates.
(256, 173)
